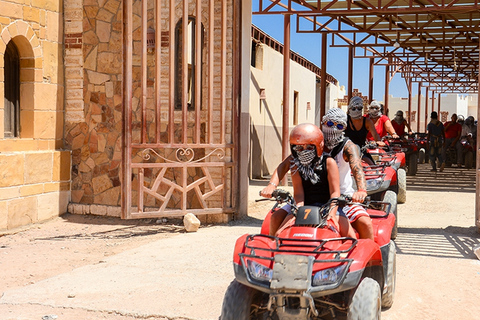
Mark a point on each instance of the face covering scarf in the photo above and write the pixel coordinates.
(398, 119)
(374, 113)
(355, 114)
(304, 165)
(332, 136)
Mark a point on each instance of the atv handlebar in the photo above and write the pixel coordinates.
(283, 196)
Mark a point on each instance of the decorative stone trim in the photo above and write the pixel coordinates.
(73, 40)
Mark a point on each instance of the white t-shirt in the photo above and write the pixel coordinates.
(346, 183)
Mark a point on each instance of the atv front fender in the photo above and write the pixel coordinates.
(239, 248)
(367, 253)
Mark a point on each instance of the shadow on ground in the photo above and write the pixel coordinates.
(451, 179)
(450, 242)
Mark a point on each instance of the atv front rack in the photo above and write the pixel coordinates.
(306, 248)
(282, 245)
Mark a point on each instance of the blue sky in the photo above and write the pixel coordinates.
(308, 45)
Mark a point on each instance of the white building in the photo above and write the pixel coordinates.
(460, 104)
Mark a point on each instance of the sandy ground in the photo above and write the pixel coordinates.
(87, 267)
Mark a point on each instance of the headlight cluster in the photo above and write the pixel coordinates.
(373, 184)
(259, 271)
(329, 276)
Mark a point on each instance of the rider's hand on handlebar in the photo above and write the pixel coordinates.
(395, 136)
(380, 143)
(359, 196)
(268, 190)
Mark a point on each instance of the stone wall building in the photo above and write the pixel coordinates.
(110, 108)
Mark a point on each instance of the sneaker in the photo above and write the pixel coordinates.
(442, 167)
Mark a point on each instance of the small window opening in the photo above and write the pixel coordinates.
(191, 63)
(12, 91)
(295, 108)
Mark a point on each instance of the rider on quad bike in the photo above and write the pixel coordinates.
(315, 177)
(347, 157)
(310, 272)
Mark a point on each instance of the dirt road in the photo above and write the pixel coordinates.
(85, 267)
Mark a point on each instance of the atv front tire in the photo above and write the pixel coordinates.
(469, 160)
(391, 197)
(421, 155)
(366, 301)
(391, 277)
(243, 303)
(402, 185)
(412, 165)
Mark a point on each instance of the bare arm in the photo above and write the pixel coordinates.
(408, 126)
(277, 176)
(459, 133)
(352, 154)
(389, 128)
(334, 186)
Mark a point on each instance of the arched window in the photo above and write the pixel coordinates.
(191, 61)
(12, 91)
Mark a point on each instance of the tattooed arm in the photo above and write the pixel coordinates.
(351, 154)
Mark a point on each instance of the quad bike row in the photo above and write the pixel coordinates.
(309, 271)
(467, 146)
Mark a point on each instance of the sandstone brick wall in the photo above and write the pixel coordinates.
(93, 128)
(35, 186)
(34, 168)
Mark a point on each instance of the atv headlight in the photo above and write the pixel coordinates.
(373, 184)
(329, 276)
(259, 271)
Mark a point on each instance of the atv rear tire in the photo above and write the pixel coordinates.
(421, 155)
(469, 160)
(412, 164)
(402, 185)
(391, 197)
(366, 301)
(391, 277)
(242, 303)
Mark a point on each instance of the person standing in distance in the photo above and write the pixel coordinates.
(435, 141)
(453, 132)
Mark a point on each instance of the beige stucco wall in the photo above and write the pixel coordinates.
(266, 114)
(34, 168)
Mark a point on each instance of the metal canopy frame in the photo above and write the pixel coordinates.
(434, 43)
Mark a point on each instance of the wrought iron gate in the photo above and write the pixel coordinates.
(179, 111)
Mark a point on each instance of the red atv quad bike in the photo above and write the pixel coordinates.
(394, 159)
(310, 272)
(382, 186)
(410, 149)
(421, 142)
(468, 147)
